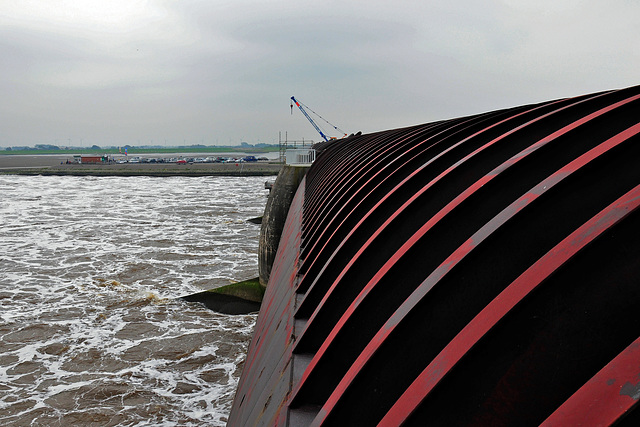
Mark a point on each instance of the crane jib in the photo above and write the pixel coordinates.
(310, 119)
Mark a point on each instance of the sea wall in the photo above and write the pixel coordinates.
(18, 165)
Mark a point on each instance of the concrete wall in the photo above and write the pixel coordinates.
(275, 214)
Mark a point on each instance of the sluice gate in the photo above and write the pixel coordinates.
(483, 270)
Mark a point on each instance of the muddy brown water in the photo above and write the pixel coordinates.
(90, 332)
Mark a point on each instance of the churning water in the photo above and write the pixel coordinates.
(90, 332)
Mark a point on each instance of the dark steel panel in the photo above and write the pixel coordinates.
(510, 297)
(384, 269)
(423, 256)
(456, 257)
(381, 178)
(374, 209)
(607, 397)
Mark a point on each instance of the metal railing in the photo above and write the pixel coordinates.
(300, 156)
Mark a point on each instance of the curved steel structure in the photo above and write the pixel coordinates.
(483, 270)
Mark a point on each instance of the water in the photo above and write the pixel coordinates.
(90, 333)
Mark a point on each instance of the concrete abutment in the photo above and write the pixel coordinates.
(275, 215)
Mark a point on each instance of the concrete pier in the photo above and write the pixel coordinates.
(275, 215)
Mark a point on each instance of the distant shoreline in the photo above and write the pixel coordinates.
(51, 165)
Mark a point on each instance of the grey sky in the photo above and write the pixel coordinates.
(115, 72)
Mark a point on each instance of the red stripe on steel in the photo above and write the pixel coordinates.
(455, 257)
(276, 307)
(433, 182)
(518, 290)
(398, 188)
(356, 178)
(461, 252)
(342, 170)
(336, 221)
(606, 397)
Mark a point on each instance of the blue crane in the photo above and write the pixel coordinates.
(299, 105)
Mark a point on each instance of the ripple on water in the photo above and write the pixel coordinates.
(89, 331)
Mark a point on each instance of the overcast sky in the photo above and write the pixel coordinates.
(115, 72)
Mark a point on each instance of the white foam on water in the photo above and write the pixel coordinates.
(89, 267)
